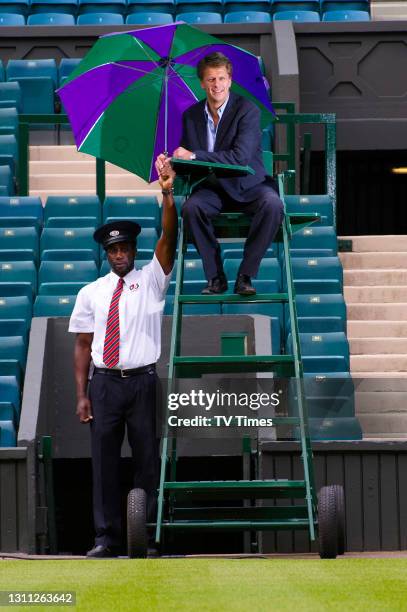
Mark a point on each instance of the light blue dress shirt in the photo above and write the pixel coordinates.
(211, 128)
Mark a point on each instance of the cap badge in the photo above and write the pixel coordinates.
(114, 233)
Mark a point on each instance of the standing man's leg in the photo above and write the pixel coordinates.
(107, 433)
(198, 211)
(267, 213)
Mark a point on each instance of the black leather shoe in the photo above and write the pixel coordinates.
(102, 552)
(218, 284)
(243, 285)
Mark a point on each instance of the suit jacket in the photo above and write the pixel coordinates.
(238, 141)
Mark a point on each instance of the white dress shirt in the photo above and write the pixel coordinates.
(211, 128)
(141, 307)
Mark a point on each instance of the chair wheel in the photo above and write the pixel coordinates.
(137, 539)
(328, 522)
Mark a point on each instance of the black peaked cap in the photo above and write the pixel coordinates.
(117, 231)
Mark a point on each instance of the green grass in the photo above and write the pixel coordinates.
(228, 585)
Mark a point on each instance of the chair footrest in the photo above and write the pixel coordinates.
(195, 366)
(233, 298)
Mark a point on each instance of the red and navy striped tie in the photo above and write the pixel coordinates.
(112, 338)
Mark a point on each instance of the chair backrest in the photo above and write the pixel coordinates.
(346, 15)
(59, 238)
(11, 19)
(68, 271)
(9, 118)
(199, 17)
(149, 18)
(54, 305)
(15, 307)
(19, 271)
(247, 17)
(298, 15)
(19, 238)
(11, 94)
(61, 19)
(32, 68)
(72, 206)
(100, 19)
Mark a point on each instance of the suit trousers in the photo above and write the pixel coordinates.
(117, 402)
(206, 203)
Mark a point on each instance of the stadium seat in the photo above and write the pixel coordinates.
(20, 238)
(69, 239)
(151, 6)
(10, 391)
(8, 436)
(298, 15)
(263, 6)
(346, 15)
(323, 345)
(149, 18)
(191, 6)
(15, 289)
(72, 222)
(54, 6)
(10, 96)
(105, 6)
(8, 413)
(193, 270)
(317, 274)
(6, 180)
(100, 19)
(345, 5)
(54, 19)
(319, 313)
(269, 270)
(19, 271)
(295, 5)
(65, 68)
(68, 255)
(37, 79)
(72, 206)
(314, 242)
(66, 271)
(247, 17)
(54, 305)
(140, 208)
(9, 121)
(199, 17)
(9, 151)
(14, 349)
(11, 19)
(16, 307)
(20, 7)
(321, 204)
(22, 211)
(68, 288)
(14, 327)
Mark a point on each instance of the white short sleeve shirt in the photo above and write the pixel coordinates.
(140, 314)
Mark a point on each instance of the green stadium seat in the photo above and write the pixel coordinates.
(247, 17)
(151, 6)
(72, 222)
(16, 307)
(295, 5)
(149, 19)
(54, 19)
(38, 80)
(54, 305)
(314, 242)
(20, 238)
(319, 313)
(346, 15)
(326, 348)
(192, 6)
(193, 270)
(72, 206)
(6, 181)
(19, 271)
(68, 288)
(11, 19)
(10, 391)
(132, 208)
(16, 290)
(68, 255)
(348, 5)
(23, 211)
(8, 436)
(9, 151)
(263, 6)
(317, 274)
(69, 239)
(16, 254)
(7, 412)
(321, 204)
(67, 64)
(297, 15)
(198, 17)
(10, 95)
(54, 6)
(9, 120)
(66, 271)
(20, 7)
(13, 348)
(100, 19)
(13, 327)
(108, 6)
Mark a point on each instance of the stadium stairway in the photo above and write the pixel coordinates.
(375, 290)
(388, 10)
(61, 170)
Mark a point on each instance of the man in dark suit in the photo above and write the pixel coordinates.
(225, 128)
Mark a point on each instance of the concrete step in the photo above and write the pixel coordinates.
(378, 244)
(384, 425)
(377, 311)
(47, 182)
(380, 383)
(377, 403)
(372, 346)
(381, 362)
(369, 261)
(389, 276)
(43, 194)
(57, 152)
(375, 329)
(389, 11)
(381, 293)
(72, 167)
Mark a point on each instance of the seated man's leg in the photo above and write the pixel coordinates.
(198, 212)
(267, 213)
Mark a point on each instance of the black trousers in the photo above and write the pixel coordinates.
(117, 402)
(266, 213)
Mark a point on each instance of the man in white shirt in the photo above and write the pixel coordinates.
(117, 320)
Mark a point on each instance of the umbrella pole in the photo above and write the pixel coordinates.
(166, 112)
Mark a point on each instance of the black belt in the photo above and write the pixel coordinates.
(126, 373)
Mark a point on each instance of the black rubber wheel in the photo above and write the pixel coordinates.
(328, 523)
(137, 539)
(340, 509)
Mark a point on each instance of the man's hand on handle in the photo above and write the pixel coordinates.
(166, 174)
